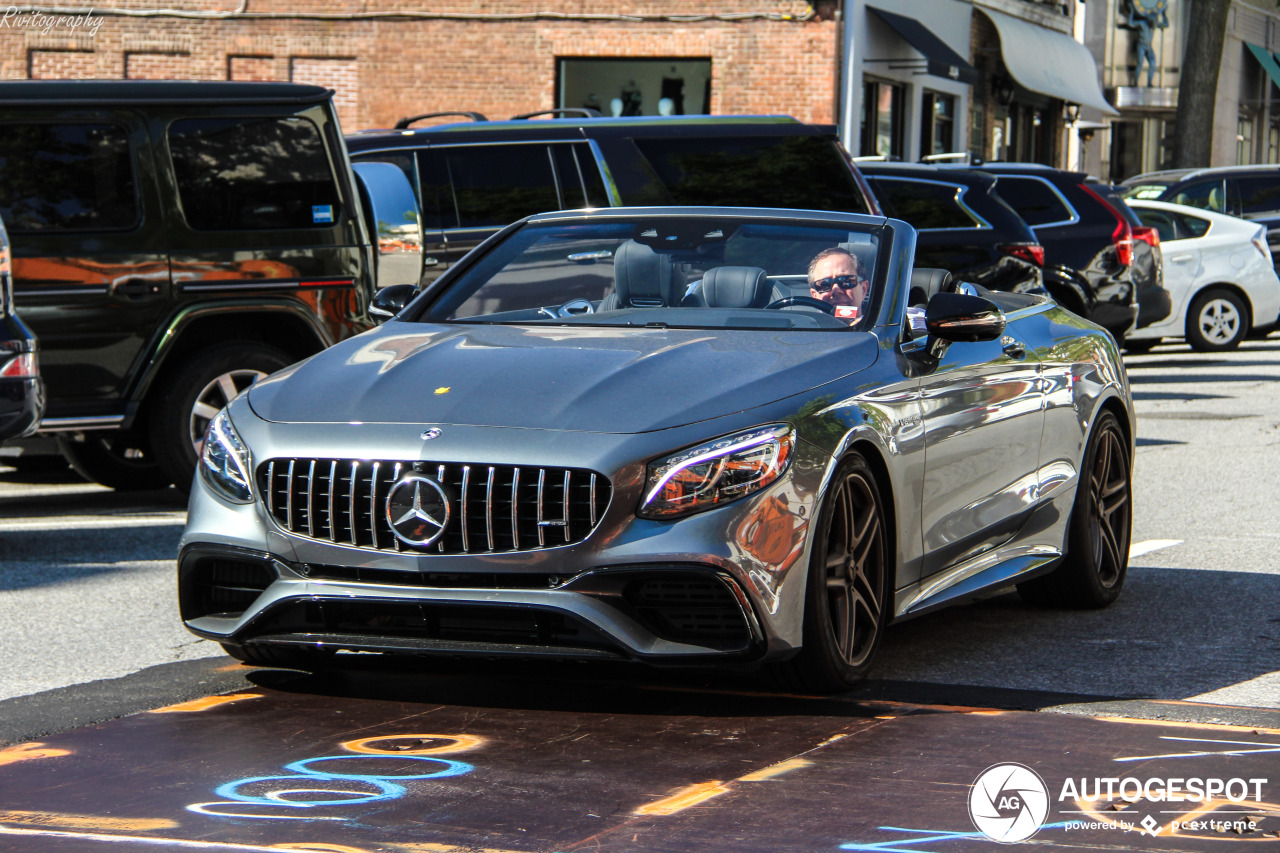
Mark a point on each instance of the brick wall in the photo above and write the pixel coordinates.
(62, 64)
(383, 69)
(157, 66)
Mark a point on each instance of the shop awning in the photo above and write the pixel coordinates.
(940, 59)
(1049, 62)
(1267, 60)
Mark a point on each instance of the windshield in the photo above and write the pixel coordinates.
(692, 272)
(1147, 190)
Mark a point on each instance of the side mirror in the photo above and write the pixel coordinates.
(389, 301)
(961, 318)
(394, 223)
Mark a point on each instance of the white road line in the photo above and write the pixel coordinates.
(1138, 549)
(93, 522)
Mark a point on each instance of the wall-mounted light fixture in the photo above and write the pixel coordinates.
(1071, 113)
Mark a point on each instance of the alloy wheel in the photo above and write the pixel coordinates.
(213, 398)
(1219, 321)
(1109, 508)
(855, 568)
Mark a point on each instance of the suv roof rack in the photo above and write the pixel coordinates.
(565, 112)
(408, 120)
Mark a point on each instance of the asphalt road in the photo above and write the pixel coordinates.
(89, 627)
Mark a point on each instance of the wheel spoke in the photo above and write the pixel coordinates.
(227, 385)
(205, 411)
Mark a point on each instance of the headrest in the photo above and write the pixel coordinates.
(641, 276)
(925, 282)
(736, 287)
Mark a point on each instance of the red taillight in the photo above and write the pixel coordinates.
(1032, 252)
(1148, 235)
(20, 367)
(1122, 237)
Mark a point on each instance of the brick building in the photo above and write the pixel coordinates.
(903, 78)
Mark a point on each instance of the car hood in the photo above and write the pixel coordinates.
(594, 379)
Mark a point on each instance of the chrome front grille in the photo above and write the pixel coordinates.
(493, 508)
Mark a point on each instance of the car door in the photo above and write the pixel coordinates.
(950, 235)
(983, 419)
(90, 267)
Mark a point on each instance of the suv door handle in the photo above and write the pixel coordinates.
(136, 288)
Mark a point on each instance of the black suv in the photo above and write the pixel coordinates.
(21, 392)
(962, 225)
(1093, 265)
(173, 242)
(1249, 192)
(475, 177)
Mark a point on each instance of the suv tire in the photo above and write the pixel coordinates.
(1217, 321)
(204, 383)
(119, 460)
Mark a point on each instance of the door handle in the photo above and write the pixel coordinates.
(430, 262)
(1013, 347)
(1183, 259)
(136, 288)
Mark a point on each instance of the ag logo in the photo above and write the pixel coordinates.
(417, 510)
(1008, 803)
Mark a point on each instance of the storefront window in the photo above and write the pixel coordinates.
(937, 124)
(882, 125)
(635, 87)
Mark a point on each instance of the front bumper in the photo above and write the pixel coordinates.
(727, 583)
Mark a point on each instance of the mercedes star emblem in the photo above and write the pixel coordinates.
(417, 510)
(429, 434)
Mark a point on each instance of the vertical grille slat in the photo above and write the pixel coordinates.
(488, 508)
(462, 506)
(373, 503)
(306, 497)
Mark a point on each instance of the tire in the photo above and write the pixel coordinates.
(1092, 572)
(1217, 321)
(1140, 347)
(280, 657)
(194, 393)
(116, 459)
(846, 597)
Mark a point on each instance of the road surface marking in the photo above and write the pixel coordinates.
(1139, 549)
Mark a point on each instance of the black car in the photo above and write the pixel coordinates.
(1249, 192)
(21, 392)
(1089, 246)
(173, 242)
(475, 177)
(962, 225)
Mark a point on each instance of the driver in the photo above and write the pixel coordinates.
(837, 277)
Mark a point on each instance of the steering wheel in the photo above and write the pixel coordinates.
(806, 301)
(572, 308)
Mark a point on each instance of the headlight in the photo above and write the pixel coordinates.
(717, 472)
(225, 460)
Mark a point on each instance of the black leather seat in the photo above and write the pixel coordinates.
(642, 278)
(925, 282)
(734, 287)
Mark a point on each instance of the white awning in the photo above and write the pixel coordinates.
(1049, 62)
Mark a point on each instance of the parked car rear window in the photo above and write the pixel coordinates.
(238, 173)
(66, 177)
(1034, 200)
(925, 204)
(1258, 194)
(806, 172)
(482, 186)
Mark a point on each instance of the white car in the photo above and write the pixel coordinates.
(1219, 274)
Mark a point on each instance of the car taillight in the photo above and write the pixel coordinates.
(1122, 237)
(1148, 235)
(22, 366)
(1032, 252)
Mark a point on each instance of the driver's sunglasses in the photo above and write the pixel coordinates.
(823, 285)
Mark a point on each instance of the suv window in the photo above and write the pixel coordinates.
(1206, 195)
(806, 172)
(1035, 201)
(492, 185)
(925, 204)
(66, 177)
(1258, 194)
(239, 173)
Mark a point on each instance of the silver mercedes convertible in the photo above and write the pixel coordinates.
(652, 434)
